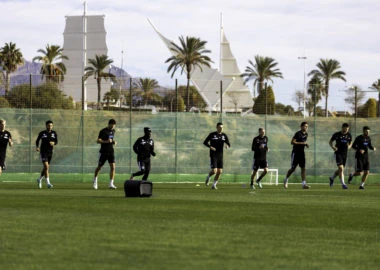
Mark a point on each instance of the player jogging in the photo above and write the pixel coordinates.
(343, 141)
(216, 141)
(361, 144)
(106, 139)
(48, 138)
(5, 140)
(298, 154)
(144, 148)
(260, 149)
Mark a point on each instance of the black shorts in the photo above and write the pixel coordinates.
(144, 165)
(46, 157)
(2, 162)
(103, 157)
(257, 164)
(340, 158)
(298, 159)
(216, 162)
(361, 164)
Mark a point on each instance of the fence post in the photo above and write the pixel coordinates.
(130, 125)
(176, 132)
(30, 123)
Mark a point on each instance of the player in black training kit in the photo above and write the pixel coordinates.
(144, 148)
(260, 148)
(216, 141)
(343, 142)
(298, 154)
(5, 140)
(106, 139)
(361, 144)
(48, 139)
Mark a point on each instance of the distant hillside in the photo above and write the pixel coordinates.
(21, 76)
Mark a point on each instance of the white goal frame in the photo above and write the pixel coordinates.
(271, 171)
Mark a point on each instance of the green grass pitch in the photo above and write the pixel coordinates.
(185, 226)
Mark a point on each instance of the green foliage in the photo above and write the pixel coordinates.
(262, 70)
(45, 96)
(282, 109)
(195, 99)
(265, 103)
(4, 103)
(190, 54)
(368, 110)
(327, 69)
(53, 70)
(10, 58)
(96, 69)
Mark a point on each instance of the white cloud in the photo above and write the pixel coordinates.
(283, 29)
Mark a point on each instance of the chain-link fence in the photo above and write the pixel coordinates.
(180, 121)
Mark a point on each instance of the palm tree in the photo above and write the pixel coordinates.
(264, 69)
(328, 69)
(51, 68)
(376, 86)
(147, 85)
(315, 90)
(189, 55)
(98, 65)
(10, 59)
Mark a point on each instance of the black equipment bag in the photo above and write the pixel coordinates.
(136, 188)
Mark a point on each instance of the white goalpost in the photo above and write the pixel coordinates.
(271, 178)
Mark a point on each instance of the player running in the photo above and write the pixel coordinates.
(343, 142)
(260, 149)
(298, 154)
(361, 144)
(5, 140)
(144, 148)
(48, 139)
(216, 141)
(106, 139)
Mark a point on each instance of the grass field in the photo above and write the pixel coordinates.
(185, 226)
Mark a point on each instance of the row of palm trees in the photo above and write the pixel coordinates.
(189, 54)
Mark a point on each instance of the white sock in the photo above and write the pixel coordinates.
(303, 182)
(95, 179)
(47, 180)
(342, 180)
(362, 184)
(215, 183)
(111, 182)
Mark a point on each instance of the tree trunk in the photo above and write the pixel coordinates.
(188, 95)
(7, 82)
(327, 97)
(99, 84)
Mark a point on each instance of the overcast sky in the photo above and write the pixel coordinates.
(345, 30)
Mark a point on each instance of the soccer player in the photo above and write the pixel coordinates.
(361, 144)
(298, 154)
(343, 141)
(216, 141)
(48, 138)
(5, 140)
(260, 149)
(106, 139)
(144, 148)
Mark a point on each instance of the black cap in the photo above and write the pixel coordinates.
(147, 130)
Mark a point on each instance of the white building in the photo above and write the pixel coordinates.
(235, 95)
(78, 42)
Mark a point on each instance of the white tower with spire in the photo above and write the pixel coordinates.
(83, 38)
